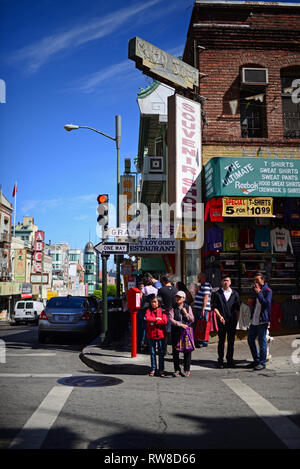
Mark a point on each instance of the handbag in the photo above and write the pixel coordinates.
(213, 321)
(186, 341)
(202, 330)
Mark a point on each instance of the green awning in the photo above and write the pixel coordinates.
(153, 264)
(252, 177)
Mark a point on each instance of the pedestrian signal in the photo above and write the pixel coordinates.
(102, 210)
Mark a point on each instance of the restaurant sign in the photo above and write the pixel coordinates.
(162, 66)
(247, 207)
(253, 177)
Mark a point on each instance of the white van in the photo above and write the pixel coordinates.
(28, 311)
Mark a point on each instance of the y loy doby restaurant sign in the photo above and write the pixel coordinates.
(255, 177)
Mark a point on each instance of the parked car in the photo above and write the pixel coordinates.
(27, 311)
(68, 314)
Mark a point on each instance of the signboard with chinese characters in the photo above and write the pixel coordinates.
(127, 190)
(247, 207)
(20, 265)
(254, 177)
(161, 66)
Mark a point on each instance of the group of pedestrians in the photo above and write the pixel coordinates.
(166, 312)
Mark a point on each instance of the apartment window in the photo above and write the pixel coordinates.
(253, 113)
(290, 94)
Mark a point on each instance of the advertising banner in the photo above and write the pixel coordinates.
(184, 155)
(247, 207)
(20, 265)
(256, 177)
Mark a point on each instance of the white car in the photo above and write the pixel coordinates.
(28, 311)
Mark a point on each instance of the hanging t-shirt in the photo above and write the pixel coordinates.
(292, 210)
(214, 207)
(231, 238)
(246, 238)
(280, 240)
(214, 239)
(262, 239)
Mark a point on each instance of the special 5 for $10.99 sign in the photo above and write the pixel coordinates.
(247, 207)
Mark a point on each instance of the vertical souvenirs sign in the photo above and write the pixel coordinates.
(184, 156)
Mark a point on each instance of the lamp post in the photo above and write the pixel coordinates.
(117, 139)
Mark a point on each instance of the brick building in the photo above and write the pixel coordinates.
(249, 112)
(248, 55)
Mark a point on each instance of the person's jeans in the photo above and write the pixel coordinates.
(160, 347)
(260, 333)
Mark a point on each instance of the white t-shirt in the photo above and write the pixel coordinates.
(227, 293)
(256, 314)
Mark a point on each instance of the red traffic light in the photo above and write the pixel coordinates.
(102, 198)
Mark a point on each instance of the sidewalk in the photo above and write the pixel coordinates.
(284, 351)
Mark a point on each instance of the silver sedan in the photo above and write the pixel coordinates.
(70, 314)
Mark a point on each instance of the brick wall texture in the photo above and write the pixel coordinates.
(236, 37)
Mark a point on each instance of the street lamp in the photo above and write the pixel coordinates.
(117, 139)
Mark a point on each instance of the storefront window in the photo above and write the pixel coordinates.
(193, 268)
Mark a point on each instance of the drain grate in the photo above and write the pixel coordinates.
(89, 381)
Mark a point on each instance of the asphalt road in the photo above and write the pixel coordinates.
(51, 400)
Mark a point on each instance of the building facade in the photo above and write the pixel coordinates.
(248, 57)
(91, 268)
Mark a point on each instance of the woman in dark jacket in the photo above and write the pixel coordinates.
(180, 317)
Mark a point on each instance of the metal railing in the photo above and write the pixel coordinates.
(291, 124)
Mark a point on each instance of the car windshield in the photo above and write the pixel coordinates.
(29, 305)
(66, 302)
(20, 305)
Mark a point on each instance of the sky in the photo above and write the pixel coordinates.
(67, 62)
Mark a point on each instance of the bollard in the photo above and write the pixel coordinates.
(133, 334)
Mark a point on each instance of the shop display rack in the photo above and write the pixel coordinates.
(280, 269)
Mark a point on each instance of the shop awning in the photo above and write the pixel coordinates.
(153, 264)
(253, 177)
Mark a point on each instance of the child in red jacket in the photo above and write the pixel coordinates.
(156, 331)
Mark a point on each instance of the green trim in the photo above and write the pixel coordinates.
(147, 91)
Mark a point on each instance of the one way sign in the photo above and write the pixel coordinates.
(112, 248)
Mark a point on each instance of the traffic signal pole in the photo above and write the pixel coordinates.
(104, 299)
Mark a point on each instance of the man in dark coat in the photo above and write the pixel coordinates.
(226, 304)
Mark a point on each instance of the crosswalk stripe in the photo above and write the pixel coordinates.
(38, 425)
(282, 426)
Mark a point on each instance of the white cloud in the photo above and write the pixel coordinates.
(88, 84)
(40, 52)
(69, 203)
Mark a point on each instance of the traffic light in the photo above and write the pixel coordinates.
(102, 210)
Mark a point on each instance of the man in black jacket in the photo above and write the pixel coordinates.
(226, 304)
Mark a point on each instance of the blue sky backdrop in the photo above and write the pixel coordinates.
(67, 62)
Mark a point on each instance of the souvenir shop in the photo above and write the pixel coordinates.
(258, 231)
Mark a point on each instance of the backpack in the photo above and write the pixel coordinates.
(146, 300)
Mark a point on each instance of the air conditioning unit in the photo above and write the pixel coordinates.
(156, 164)
(254, 76)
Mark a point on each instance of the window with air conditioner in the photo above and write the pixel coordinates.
(254, 76)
